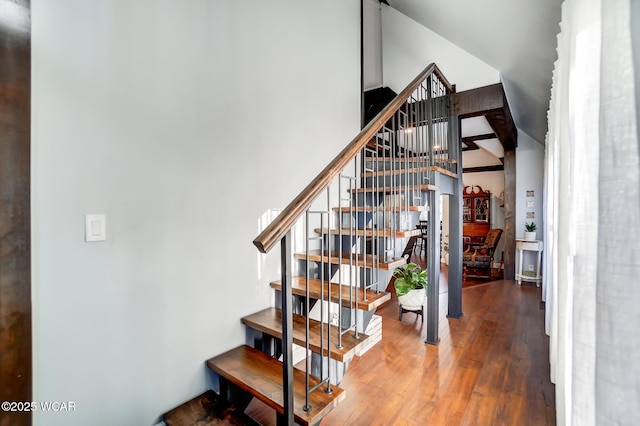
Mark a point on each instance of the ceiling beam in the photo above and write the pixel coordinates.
(491, 102)
(475, 102)
(470, 141)
(495, 168)
(479, 137)
(469, 146)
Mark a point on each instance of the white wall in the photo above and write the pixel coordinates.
(183, 122)
(529, 176)
(372, 55)
(408, 47)
(488, 181)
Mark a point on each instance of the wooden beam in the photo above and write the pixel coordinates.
(502, 123)
(510, 214)
(494, 168)
(475, 102)
(491, 102)
(470, 141)
(470, 146)
(479, 137)
(15, 262)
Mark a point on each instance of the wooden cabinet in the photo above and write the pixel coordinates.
(476, 214)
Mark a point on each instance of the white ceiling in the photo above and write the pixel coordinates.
(475, 126)
(491, 150)
(516, 37)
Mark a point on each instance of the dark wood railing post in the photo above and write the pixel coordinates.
(433, 266)
(429, 121)
(455, 226)
(287, 328)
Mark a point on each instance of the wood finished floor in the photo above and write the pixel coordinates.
(490, 367)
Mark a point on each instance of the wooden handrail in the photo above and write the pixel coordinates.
(277, 229)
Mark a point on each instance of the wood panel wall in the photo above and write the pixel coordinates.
(15, 248)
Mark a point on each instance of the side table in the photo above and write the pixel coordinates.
(529, 245)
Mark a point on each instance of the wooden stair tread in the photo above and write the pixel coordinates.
(389, 189)
(299, 288)
(364, 209)
(369, 232)
(407, 159)
(400, 171)
(261, 376)
(367, 260)
(443, 171)
(372, 144)
(269, 321)
(411, 159)
(207, 409)
(397, 171)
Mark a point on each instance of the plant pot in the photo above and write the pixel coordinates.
(530, 236)
(414, 300)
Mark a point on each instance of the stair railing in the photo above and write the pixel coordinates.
(391, 160)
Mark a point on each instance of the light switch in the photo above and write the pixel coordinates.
(95, 227)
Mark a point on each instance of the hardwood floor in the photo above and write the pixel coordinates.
(490, 367)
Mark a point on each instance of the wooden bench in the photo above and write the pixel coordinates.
(261, 376)
(207, 409)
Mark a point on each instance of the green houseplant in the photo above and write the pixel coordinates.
(530, 231)
(409, 277)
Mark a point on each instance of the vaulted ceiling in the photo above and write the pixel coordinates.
(516, 37)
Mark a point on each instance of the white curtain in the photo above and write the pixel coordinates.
(592, 215)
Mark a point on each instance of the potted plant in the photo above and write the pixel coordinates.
(530, 231)
(411, 286)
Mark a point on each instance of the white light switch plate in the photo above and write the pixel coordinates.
(95, 227)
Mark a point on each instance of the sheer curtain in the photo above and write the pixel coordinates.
(592, 217)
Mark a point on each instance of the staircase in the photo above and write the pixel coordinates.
(340, 240)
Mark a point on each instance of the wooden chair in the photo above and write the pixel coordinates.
(408, 250)
(477, 258)
(423, 226)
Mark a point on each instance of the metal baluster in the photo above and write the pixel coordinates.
(287, 327)
(307, 407)
(329, 238)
